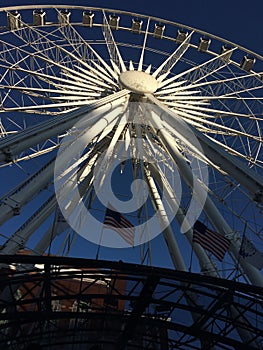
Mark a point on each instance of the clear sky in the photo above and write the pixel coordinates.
(238, 21)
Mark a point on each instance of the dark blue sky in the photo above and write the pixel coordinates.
(239, 21)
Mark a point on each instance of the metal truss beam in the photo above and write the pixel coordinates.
(12, 202)
(247, 177)
(11, 146)
(146, 287)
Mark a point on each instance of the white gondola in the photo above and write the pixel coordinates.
(181, 36)
(114, 22)
(204, 44)
(64, 17)
(14, 20)
(136, 25)
(39, 18)
(247, 63)
(87, 18)
(159, 30)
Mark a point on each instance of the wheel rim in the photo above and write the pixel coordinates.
(53, 70)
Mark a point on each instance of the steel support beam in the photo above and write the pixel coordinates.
(210, 209)
(247, 177)
(12, 202)
(11, 146)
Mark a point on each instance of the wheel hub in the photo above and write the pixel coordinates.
(138, 82)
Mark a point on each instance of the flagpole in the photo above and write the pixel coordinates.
(53, 228)
(101, 232)
(191, 257)
(242, 242)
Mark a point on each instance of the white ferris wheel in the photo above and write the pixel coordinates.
(165, 101)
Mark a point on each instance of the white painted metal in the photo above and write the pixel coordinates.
(207, 266)
(210, 209)
(243, 174)
(13, 202)
(19, 239)
(144, 46)
(111, 44)
(14, 144)
(171, 61)
(167, 232)
(138, 82)
(79, 72)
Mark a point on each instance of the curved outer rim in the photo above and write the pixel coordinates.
(30, 7)
(183, 26)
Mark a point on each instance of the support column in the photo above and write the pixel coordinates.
(209, 207)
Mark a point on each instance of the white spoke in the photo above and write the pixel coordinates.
(229, 96)
(52, 105)
(218, 112)
(144, 45)
(207, 68)
(230, 149)
(131, 67)
(148, 69)
(217, 81)
(75, 74)
(198, 116)
(40, 36)
(111, 44)
(115, 67)
(94, 52)
(49, 78)
(171, 88)
(71, 80)
(96, 74)
(182, 93)
(62, 92)
(171, 61)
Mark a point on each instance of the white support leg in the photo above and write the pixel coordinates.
(206, 265)
(210, 209)
(171, 243)
(20, 237)
(248, 178)
(15, 144)
(12, 203)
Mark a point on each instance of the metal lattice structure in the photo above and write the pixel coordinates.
(154, 101)
(57, 305)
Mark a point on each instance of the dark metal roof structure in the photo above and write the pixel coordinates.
(71, 303)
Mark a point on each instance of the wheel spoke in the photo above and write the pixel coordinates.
(78, 77)
(203, 70)
(144, 45)
(171, 61)
(112, 46)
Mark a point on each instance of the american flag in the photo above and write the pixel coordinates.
(118, 223)
(250, 254)
(210, 240)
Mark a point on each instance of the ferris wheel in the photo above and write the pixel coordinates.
(100, 106)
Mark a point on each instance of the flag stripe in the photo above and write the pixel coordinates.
(112, 223)
(117, 223)
(120, 224)
(128, 238)
(212, 248)
(210, 240)
(214, 240)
